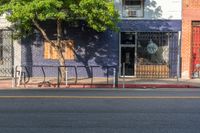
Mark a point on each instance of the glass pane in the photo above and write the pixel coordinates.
(152, 48)
(132, 3)
(127, 38)
(128, 59)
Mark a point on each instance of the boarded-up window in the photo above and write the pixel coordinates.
(50, 51)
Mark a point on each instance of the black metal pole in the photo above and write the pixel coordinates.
(76, 80)
(44, 79)
(58, 78)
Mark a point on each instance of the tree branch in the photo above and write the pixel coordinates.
(59, 32)
(43, 32)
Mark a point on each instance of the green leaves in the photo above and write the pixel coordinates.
(98, 14)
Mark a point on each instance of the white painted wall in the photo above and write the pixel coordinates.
(17, 52)
(158, 9)
(3, 22)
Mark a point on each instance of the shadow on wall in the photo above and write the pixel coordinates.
(91, 47)
(152, 10)
(27, 54)
(150, 26)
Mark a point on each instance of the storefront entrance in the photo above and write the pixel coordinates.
(149, 54)
(128, 60)
(127, 53)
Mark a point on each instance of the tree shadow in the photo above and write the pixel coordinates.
(152, 10)
(95, 48)
(92, 48)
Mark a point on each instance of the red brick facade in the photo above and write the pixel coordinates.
(191, 12)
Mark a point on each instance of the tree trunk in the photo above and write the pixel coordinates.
(58, 46)
(59, 49)
(62, 64)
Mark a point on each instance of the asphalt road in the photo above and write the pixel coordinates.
(100, 111)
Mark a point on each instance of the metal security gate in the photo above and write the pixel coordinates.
(157, 54)
(6, 53)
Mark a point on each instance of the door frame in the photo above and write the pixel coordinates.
(133, 46)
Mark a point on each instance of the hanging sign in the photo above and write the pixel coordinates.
(152, 47)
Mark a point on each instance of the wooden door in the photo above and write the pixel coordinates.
(195, 49)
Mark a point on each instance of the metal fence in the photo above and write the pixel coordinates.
(6, 53)
(48, 76)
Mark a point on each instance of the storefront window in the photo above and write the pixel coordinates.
(152, 48)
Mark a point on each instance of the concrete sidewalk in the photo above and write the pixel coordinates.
(6, 84)
(102, 83)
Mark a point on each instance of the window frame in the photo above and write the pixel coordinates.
(132, 11)
(134, 5)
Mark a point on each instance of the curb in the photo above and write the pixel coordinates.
(158, 86)
(8, 85)
(111, 86)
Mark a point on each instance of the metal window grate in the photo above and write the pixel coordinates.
(157, 55)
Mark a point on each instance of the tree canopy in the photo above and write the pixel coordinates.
(26, 15)
(98, 14)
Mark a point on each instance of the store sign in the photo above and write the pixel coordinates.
(152, 47)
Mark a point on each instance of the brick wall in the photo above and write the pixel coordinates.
(191, 12)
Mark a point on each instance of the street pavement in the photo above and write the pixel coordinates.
(100, 111)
